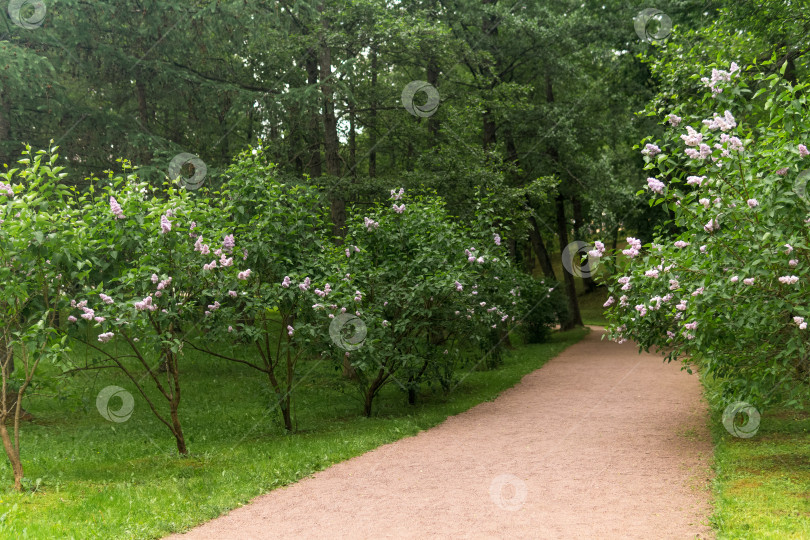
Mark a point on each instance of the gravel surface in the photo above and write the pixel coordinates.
(599, 443)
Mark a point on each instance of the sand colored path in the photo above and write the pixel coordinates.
(599, 443)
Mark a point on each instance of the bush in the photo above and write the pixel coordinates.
(731, 288)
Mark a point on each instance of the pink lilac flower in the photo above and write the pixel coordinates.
(459, 286)
(286, 282)
(155, 278)
(145, 305)
(230, 329)
(705, 202)
(753, 203)
(634, 249)
(723, 123)
(789, 249)
(348, 253)
(803, 151)
(228, 243)
(244, 274)
(651, 273)
(674, 120)
(225, 261)
(88, 314)
(370, 223)
(304, 285)
(681, 306)
(99, 319)
(656, 185)
(397, 196)
(793, 262)
(651, 150)
(211, 265)
(712, 225)
(782, 172)
(642, 309)
(749, 281)
(681, 244)
(670, 334)
(734, 279)
(165, 224)
(106, 299)
(691, 325)
(692, 138)
(232, 294)
(623, 300)
(598, 251)
(114, 206)
(695, 180)
(290, 330)
(72, 319)
(399, 209)
(610, 302)
(244, 254)
(788, 280)
(698, 291)
(673, 284)
(105, 337)
(497, 239)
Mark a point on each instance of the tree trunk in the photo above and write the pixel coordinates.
(315, 169)
(540, 249)
(330, 137)
(579, 223)
(174, 404)
(433, 80)
(372, 116)
(574, 317)
(13, 456)
(5, 129)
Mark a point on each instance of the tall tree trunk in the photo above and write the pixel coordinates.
(433, 80)
(5, 129)
(574, 317)
(143, 115)
(372, 116)
(314, 139)
(489, 25)
(540, 249)
(579, 234)
(330, 137)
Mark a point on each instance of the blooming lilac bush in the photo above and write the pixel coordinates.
(282, 233)
(730, 289)
(39, 253)
(424, 292)
(157, 279)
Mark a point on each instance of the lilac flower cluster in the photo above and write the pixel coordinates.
(114, 207)
(634, 249)
(718, 76)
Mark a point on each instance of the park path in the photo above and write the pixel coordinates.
(601, 442)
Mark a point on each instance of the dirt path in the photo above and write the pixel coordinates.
(600, 443)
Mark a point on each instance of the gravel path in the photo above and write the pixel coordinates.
(600, 443)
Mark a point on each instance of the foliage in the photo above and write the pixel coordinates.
(729, 288)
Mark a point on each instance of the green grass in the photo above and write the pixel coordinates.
(91, 478)
(762, 484)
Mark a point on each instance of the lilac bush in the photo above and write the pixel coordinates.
(729, 289)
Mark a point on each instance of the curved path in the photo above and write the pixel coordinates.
(599, 443)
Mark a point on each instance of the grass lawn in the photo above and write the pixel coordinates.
(92, 478)
(762, 484)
